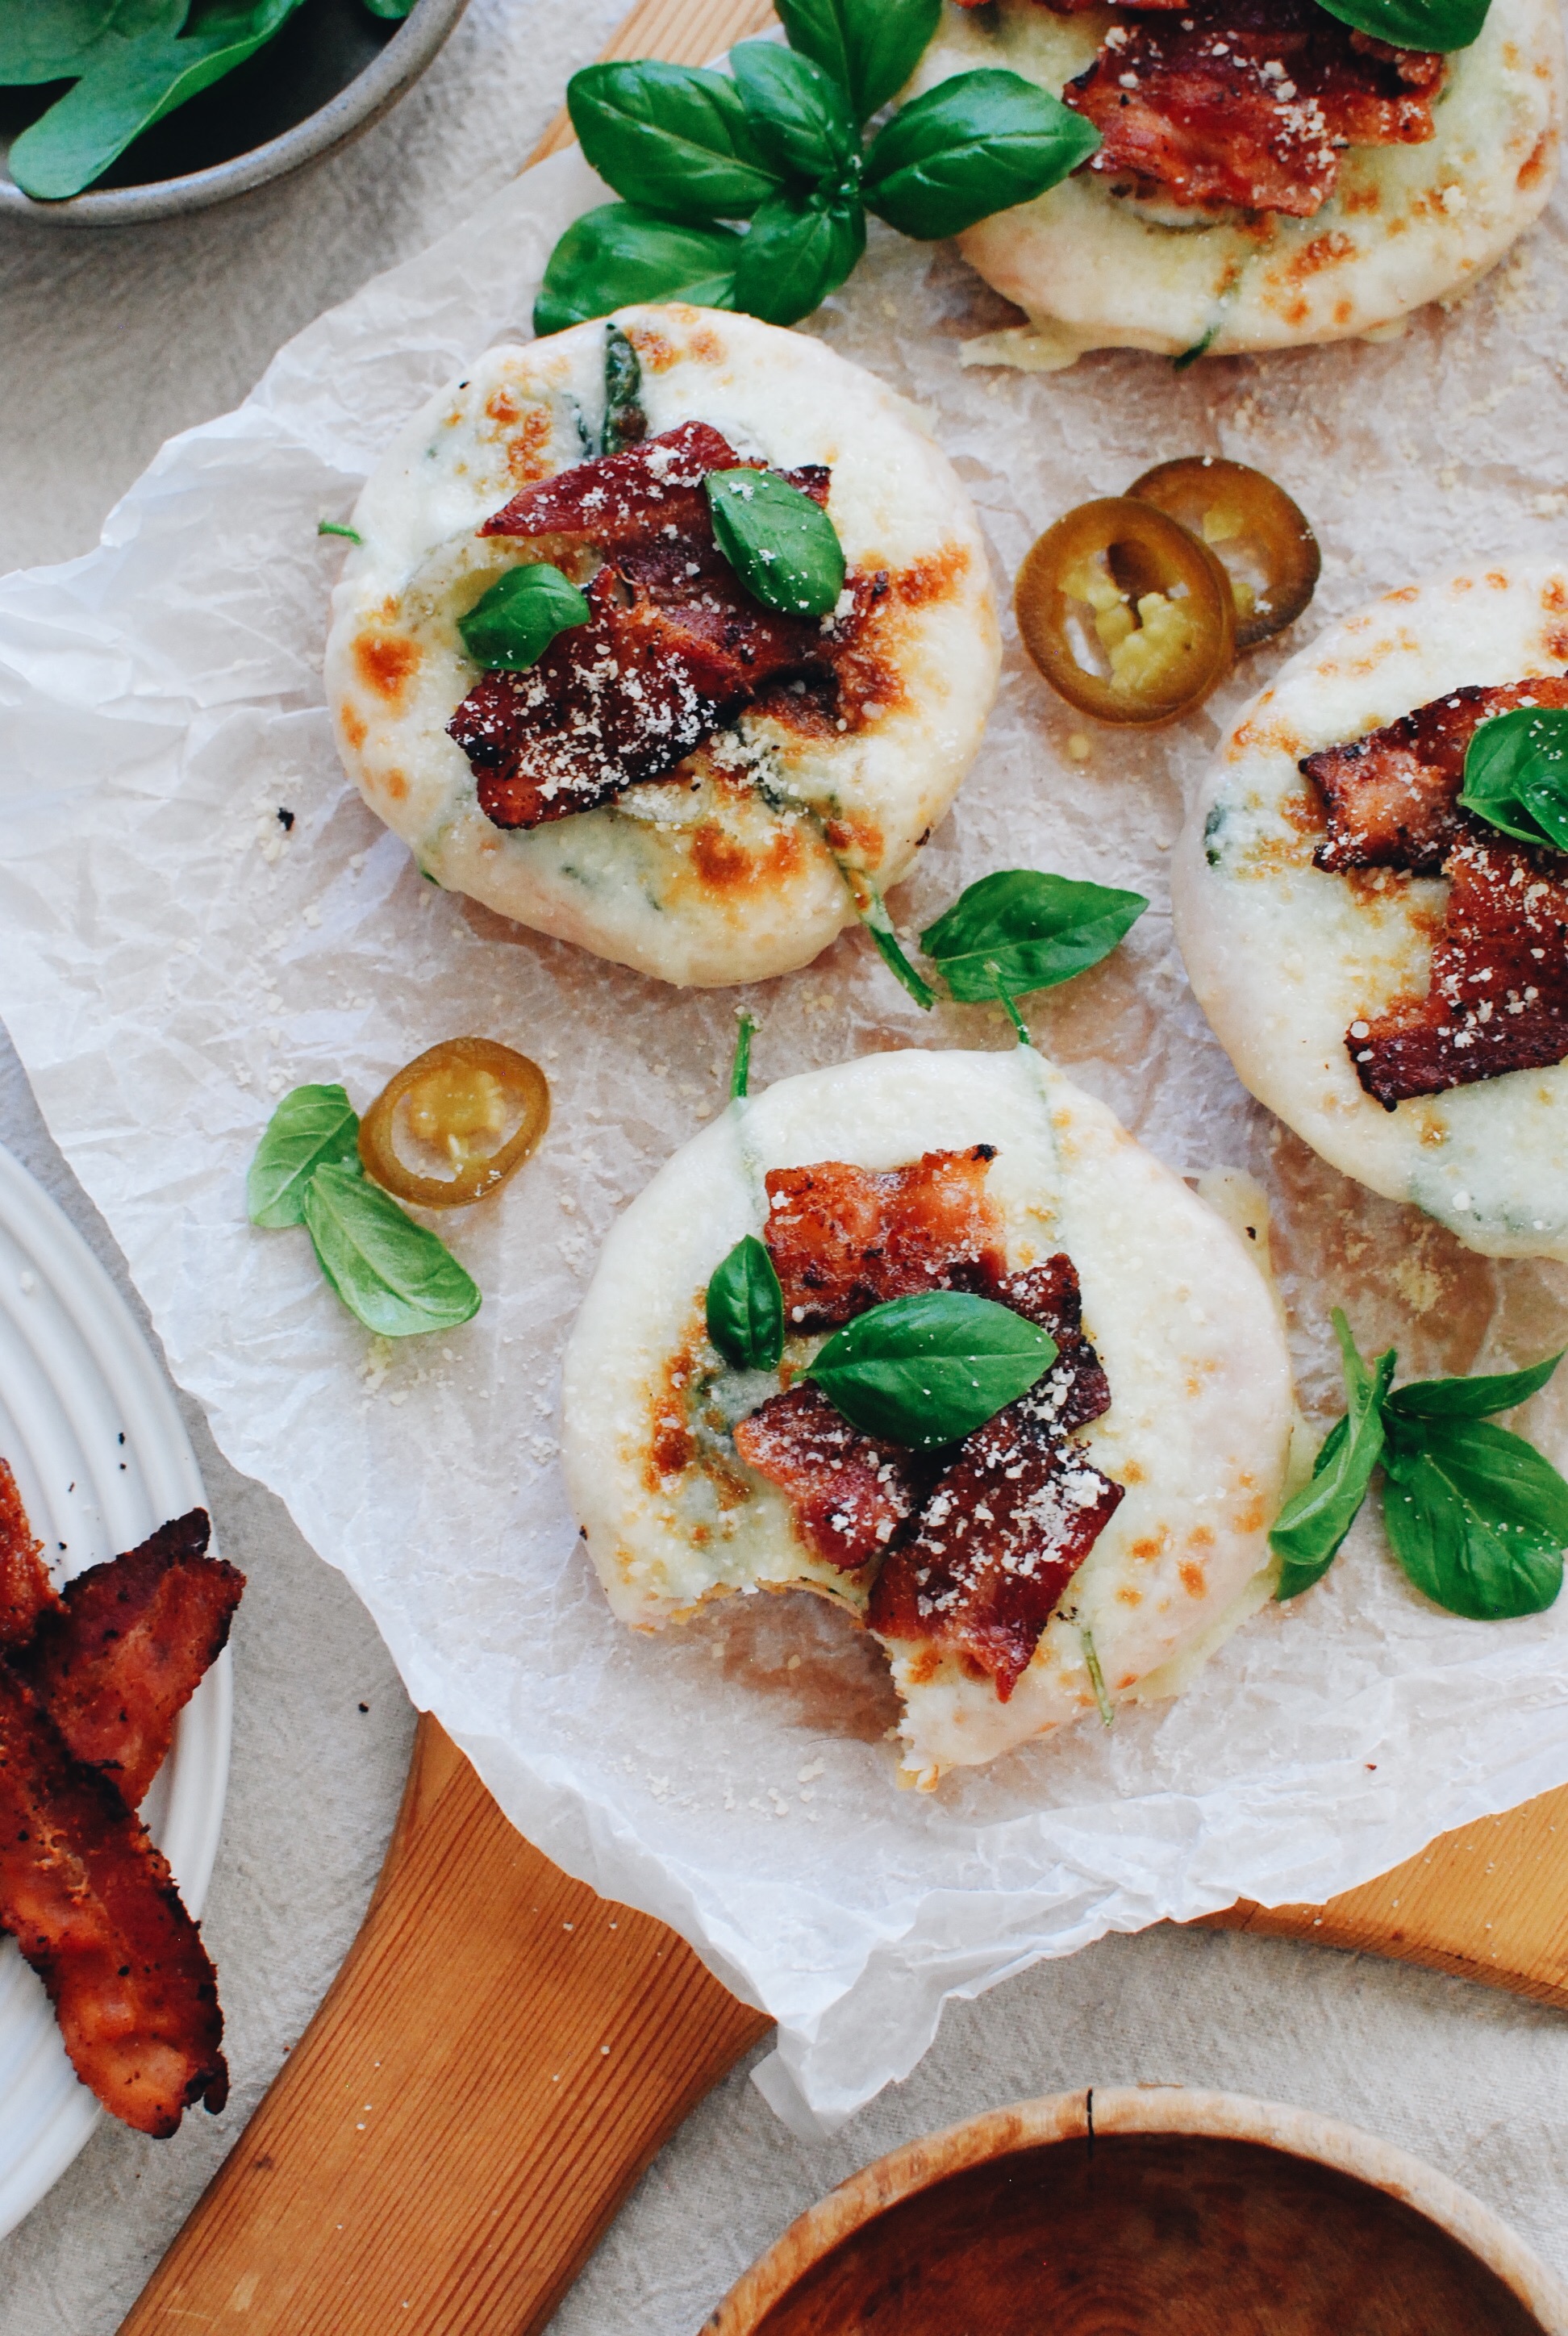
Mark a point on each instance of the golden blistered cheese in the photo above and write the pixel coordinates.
(728, 872)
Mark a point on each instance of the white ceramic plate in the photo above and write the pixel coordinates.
(101, 1457)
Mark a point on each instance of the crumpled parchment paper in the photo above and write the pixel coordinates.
(171, 959)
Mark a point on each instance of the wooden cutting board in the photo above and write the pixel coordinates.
(503, 2052)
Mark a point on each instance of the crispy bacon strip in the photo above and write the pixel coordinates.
(842, 1238)
(851, 1496)
(94, 1909)
(26, 1593)
(674, 646)
(127, 1646)
(1007, 1526)
(1498, 1000)
(1248, 102)
(1392, 797)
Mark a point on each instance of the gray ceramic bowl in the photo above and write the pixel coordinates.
(332, 70)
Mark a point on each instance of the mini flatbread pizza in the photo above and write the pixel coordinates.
(1266, 177)
(1114, 1516)
(1387, 971)
(687, 781)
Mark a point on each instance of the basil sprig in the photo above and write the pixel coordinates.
(1516, 775)
(928, 1369)
(1009, 933)
(1475, 1517)
(390, 1273)
(781, 544)
(1309, 1529)
(512, 624)
(1440, 24)
(780, 146)
(744, 1308)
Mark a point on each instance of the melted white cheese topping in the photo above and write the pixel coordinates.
(723, 875)
(1198, 1429)
(1284, 958)
(1404, 225)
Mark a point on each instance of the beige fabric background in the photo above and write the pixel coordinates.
(110, 342)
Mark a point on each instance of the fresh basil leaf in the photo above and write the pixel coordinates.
(674, 138)
(978, 143)
(624, 422)
(799, 115)
(512, 624)
(311, 1128)
(616, 255)
(1471, 1399)
(871, 47)
(1516, 775)
(746, 1308)
(336, 527)
(1020, 929)
(396, 10)
(928, 1369)
(781, 544)
(1310, 1528)
(1440, 24)
(391, 1272)
(1476, 1518)
(47, 40)
(797, 253)
(131, 83)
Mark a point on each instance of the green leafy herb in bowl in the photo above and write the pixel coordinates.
(138, 92)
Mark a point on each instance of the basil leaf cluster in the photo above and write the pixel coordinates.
(1015, 930)
(779, 144)
(393, 1274)
(1437, 24)
(781, 544)
(512, 624)
(1516, 775)
(1476, 1518)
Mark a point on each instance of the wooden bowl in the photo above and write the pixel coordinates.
(1152, 2213)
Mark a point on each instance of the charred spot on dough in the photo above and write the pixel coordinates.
(1323, 251)
(386, 663)
(1132, 1472)
(1555, 597)
(1498, 580)
(1253, 1517)
(922, 1666)
(1538, 162)
(936, 577)
(655, 353)
(861, 835)
(1404, 593)
(502, 407)
(1257, 738)
(528, 456)
(1361, 195)
(354, 727)
(393, 785)
(1555, 641)
(722, 863)
(1343, 311)
(669, 1446)
(1148, 1546)
(1129, 1596)
(1193, 1580)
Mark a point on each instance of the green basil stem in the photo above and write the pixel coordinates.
(1096, 1676)
(1199, 349)
(1017, 1019)
(740, 1076)
(871, 910)
(335, 527)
